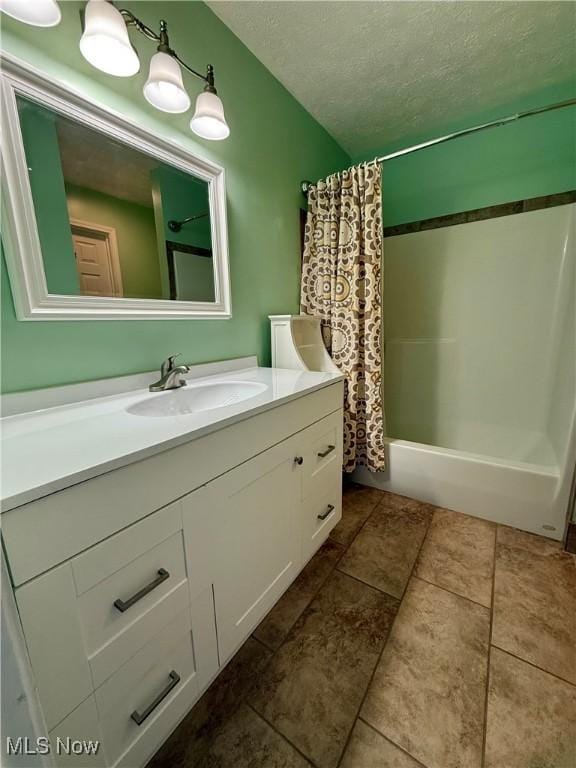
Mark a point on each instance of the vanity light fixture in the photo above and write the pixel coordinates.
(164, 88)
(106, 45)
(40, 13)
(208, 120)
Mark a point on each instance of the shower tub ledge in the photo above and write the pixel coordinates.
(525, 496)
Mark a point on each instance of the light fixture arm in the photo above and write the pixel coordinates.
(208, 78)
(133, 21)
(164, 46)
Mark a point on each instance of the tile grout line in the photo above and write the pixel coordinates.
(274, 651)
(314, 596)
(450, 591)
(359, 531)
(359, 710)
(389, 740)
(366, 584)
(534, 666)
(244, 699)
(268, 647)
(282, 736)
(412, 576)
(347, 546)
(489, 653)
(377, 504)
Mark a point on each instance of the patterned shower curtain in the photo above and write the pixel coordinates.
(341, 283)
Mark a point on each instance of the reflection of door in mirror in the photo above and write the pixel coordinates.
(97, 262)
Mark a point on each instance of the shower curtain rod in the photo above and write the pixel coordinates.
(305, 185)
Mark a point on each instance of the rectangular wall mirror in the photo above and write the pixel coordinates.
(105, 220)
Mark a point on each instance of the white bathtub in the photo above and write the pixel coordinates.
(531, 497)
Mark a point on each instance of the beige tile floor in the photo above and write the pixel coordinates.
(417, 637)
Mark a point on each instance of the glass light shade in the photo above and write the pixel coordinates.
(208, 120)
(105, 42)
(164, 88)
(39, 13)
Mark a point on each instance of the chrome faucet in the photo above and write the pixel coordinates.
(170, 376)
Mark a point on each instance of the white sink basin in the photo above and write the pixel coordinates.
(196, 398)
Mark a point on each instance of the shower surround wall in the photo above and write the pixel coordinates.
(474, 337)
(480, 366)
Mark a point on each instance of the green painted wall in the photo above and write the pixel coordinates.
(135, 234)
(183, 197)
(532, 157)
(273, 145)
(40, 139)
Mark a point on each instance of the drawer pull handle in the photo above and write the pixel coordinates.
(298, 460)
(329, 510)
(328, 451)
(123, 605)
(139, 717)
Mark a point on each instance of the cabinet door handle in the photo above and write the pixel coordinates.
(323, 454)
(139, 717)
(123, 605)
(298, 460)
(324, 515)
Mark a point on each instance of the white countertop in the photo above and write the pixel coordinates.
(44, 451)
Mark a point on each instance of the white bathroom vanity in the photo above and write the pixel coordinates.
(147, 535)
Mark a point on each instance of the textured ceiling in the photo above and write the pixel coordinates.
(90, 159)
(374, 72)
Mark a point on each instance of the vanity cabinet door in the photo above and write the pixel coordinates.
(256, 540)
(47, 607)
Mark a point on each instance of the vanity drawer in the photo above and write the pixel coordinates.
(128, 587)
(144, 688)
(324, 454)
(321, 512)
(81, 725)
(125, 596)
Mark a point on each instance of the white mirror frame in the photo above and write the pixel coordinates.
(22, 247)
